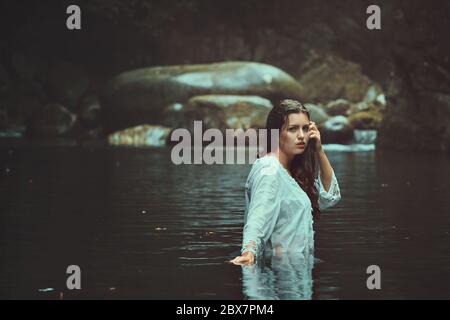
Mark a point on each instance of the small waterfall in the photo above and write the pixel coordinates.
(365, 136)
(364, 140)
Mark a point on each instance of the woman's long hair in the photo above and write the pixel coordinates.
(303, 166)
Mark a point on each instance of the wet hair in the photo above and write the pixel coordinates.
(303, 167)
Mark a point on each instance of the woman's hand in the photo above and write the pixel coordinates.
(315, 134)
(246, 259)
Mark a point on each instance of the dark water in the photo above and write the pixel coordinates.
(140, 227)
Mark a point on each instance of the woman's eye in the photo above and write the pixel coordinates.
(292, 129)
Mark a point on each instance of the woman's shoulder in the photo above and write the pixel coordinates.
(266, 165)
(265, 161)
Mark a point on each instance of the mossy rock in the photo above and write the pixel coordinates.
(366, 119)
(140, 136)
(141, 95)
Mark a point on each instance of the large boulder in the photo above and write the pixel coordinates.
(317, 113)
(212, 115)
(338, 107)
(141, 95)
(226, 111)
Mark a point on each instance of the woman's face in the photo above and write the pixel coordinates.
(294, 135)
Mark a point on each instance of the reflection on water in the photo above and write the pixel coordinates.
(141, 227)
(286, 276)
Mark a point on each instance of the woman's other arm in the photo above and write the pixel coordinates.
(262, 214)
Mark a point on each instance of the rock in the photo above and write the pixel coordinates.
(52, 120)
(358, 107)
(142, 95)
(244, 112)
(425, 128)
(338, 107)
(376, 95)
(173, 116)
(370, 119)
(232, 112)
(211, 115)
(373, 106)
(336, 130)
(67, 83)
(89, 112)
(326, 77)
(411, 58)
(139, 136)
(317, 113)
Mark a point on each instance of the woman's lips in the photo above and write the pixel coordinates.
(301, 145)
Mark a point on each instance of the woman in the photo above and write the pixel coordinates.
(286, 186)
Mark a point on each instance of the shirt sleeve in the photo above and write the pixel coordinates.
(328, 198)
(263, 210)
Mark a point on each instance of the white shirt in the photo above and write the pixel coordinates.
(285, 277)
(278, 213)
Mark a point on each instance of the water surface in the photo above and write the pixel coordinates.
(140, 227)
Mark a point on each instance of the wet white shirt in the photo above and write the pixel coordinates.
(278, 213)
(284, 277)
